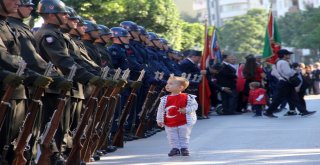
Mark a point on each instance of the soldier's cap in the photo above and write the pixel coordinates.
(284, 52)
(192, 52)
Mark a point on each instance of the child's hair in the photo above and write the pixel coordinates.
(254, 85)
(181, 80)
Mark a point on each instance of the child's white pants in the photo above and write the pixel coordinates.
(179, 137)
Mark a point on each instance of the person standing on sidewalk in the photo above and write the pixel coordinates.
(176, 113)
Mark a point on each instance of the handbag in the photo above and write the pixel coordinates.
(293, 80)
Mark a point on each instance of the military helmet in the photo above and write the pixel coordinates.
(80, 20)
(90, 26)
(129, 26)
(104, 30)
(142, 30)
(153, 36)
(26, 3)
(51, 7)
(72, 13)
(119, 32)
(164, 41)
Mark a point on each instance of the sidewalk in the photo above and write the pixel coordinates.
(234, 140)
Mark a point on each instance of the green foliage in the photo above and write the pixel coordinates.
(244, 34)
(193, 34)
(301, 29)
(160, 16)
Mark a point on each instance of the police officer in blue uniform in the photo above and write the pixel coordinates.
(155, 61)
(190, 64)
(167, 54)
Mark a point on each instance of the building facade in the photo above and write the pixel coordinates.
(218, 11)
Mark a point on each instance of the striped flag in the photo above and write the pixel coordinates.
(215, 48)
(272, 40)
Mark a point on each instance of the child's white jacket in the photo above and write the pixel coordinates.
(191, 108)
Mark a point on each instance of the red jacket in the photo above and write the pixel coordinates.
(254, 96)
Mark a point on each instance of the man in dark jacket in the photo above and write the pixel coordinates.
(227, 78)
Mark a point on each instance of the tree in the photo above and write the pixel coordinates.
(193, 34)
(301, 29)
(244, 35)
(160, 16)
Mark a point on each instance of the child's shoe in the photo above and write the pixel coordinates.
(185, 152)
(174, 152)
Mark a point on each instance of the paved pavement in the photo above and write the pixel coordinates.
(234, 140)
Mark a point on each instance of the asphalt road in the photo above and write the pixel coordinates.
(234, 140)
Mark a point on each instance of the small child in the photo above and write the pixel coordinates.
(176, 112)
(257, 98)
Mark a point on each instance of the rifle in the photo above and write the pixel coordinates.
(118, 137)
(44, 151)
(145, 107)
(113, 104)
(27, 127)
(106, 127)
(98, 134)
(9, 92)
(75, 154)
(88, 148)
(154, 109)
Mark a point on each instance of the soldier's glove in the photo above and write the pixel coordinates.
(13, 79)
(97, 81)
(136, 85)
(65, 85)
(42, 81)
(110, 83)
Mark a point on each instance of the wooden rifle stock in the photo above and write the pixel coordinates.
(46, 138)
(90, 142)
(27, 127)
(113, 104)
(8, 94)
(103, 103)
(146, 106)
(44, 150)
(107, 125)
(118, 138)
(153, 109)
(75, 154)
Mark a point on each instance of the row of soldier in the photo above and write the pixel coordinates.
(64, 97)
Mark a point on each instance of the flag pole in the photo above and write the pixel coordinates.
(203, 62)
